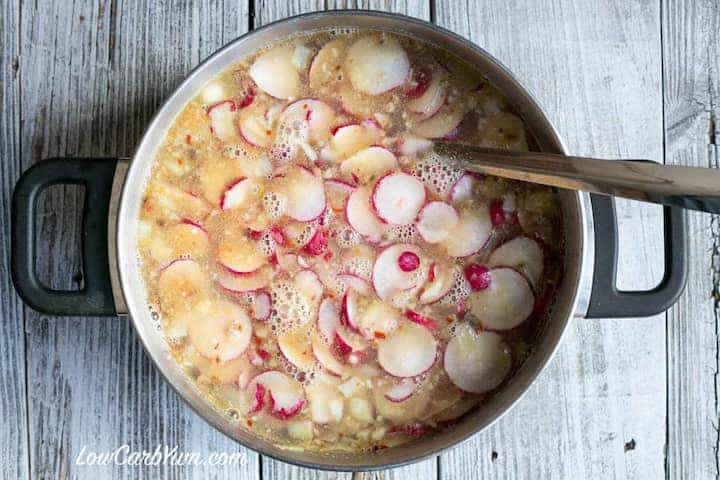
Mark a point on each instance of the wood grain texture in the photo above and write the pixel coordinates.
(14, 458)
(691, 54)
(595, 68)
(93, 74)
(268, 11)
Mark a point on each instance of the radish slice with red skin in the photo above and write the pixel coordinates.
(328, 319)
(463, 188)
(441, 283)
(478, 276)
(422, 320)
(238, 193)
(410, 145)
(309, 284)
(388, 278)
(261, 306)
(476, 362)
(356, 283)
(299, 233)
(325, 357)
(315, 115)
(436, 221)
(275, 74)
(377, 64)
(326, 64)
(347, 342)
(442, 124)
(348, 139)
(197, 226)
(337, 193)
(523, 254)
(398, 197)
(408, 351)
(505, 303)
(350, 310)
(470, 234)
(378, 320)
(286, 395)
(222, 120)
(419, 83)
(179, 282)
(221, 331)
(305, 195)
(254, 129)
(427, 104)
(251, 282)
(317, 244)
(239, 255)
(369, 163)
(295, 348)
(402, 390)
(258, 398)
(361, 217)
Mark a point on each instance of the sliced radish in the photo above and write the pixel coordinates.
(350, 309)
(398, 197)
(317, 244)
(187, 238)
(222, 120)
(378, 320)
(261, 306)
(213, 92)
(419, 83)
(388, 277)
(179, 282)
(327, 64)
(356, 283)
(360, 216)
(420, 319)
(463, 188)
(470, 234)
(347, 343)
(305, 195)
(409, 144)
(254, 128)
(286, 261)
(325, 357)
(352, 138)
(402, 390)
(408, 351)
(298, 234)
(326, 403)
(221, 331)
(275, 74)
(309, 285)
(250, 282)
(328, 319)
(286, 395)
(441, 125)
(295, 348)
(238, 193)
(478, 276)
(441, 283)
(377, 64)
(314, 115)
(427, 104)
(523, 254)
(436, 221)
(337, 193)
(505, 303)
(476, 362)
(239, 255)
(354, 101)
(369, 164)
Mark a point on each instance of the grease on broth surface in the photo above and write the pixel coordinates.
(323, 275)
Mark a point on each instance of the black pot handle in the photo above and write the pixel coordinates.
(96, 175)
(606, 301)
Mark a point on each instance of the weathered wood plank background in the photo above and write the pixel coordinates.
(632, 398)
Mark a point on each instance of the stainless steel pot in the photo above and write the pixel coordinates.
(114, 285)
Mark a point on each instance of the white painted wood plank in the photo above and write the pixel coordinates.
(692, 108)
(268, 11)
(13, 402)
(595, 67)
(93, 74)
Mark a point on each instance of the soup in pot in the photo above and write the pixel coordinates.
(321, 273)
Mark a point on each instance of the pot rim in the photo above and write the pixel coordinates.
(578, 303)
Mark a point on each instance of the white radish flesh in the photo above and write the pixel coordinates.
(470, 234)
(309, 285)
(476, 362)
(463, 189)
(360, 216)
(239, 255)
(305, 195)
(505, 303)
(286, 395)
(261, 306)
(440, 285)
(398, 197)
(179, 283)
(352, 138)
(275, 74)
(250, 282)
(408, 351)
(220, 331)
(326, 403)
(350, 310)
(431, 100)
(327, 64)
(315, 115)
(436, 221)
(388, 276)
(325, 357)
(377, 64)
(337, 193)
(409, 144)
(295, 348)
(222, 120)
(402, 390)
(347, 343)
(328, 319)
(523, 254)
(378, 320)
(369, 164)
(356, 283)
(254, 128)
(442, 124)
(239, 193)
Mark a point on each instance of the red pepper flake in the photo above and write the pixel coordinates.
(188, 139)
(379, 335)
(249, 423)
(431, 272)
(449, 319)
(257, 341)
(327, 256)
(179, 161)
(148, 208)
